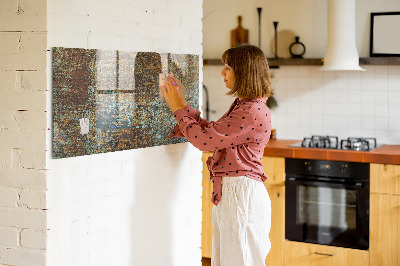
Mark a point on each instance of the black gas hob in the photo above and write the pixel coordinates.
(332, 142)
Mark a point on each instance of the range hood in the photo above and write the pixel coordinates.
(341, 51)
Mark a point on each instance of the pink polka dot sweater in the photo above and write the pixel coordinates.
(238, 139)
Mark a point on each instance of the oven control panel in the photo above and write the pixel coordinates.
(338, 169)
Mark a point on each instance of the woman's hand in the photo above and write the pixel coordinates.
(172, 94)
(181, 90)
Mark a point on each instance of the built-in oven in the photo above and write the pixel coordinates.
(327, 202)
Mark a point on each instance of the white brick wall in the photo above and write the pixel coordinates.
(100, 206)
(23, 128)
(137, 207)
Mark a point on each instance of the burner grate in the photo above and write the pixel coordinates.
(358, 144)
(332, 142)
(327, 142)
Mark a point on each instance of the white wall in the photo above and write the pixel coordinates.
(304, 18)
(311, 102)
(136, 207)
(23, 133)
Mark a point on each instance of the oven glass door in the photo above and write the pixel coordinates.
(325, 207)
(326, 213)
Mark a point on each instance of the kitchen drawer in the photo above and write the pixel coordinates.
(305, 254)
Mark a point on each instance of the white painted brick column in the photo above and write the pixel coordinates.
(23, 215)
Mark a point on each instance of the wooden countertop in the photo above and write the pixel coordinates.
(389, 154)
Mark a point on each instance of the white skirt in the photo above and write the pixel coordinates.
(241, 223)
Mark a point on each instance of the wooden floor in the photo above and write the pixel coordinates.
(206, 261)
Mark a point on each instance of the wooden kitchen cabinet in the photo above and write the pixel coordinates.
(384, 237)
(277, 233)
(206, 225)
(274, 168)
(385, 178)
(305, 254)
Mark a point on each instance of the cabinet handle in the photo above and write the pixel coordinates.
(324, 254)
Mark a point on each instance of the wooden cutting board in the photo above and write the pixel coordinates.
(239, 35)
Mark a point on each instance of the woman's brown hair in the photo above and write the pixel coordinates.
(250, 66)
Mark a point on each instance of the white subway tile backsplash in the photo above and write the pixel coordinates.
(394, 110)
(329, 123)
(316, 83)
(305, 94)
(381, 84)
(291, 71)
(368, 110)
(369, 71)
(380, 71)
(329, 109)
(381, 136)
(381, 110)
(304, 82)
(292, 82)
(278, 83)
(342, 122)
(342, 96)
(355, 96)
(367, 133)
(381, 122)
(355, 122)
(329, 95)
(293, 120)
(354, 80)
(317, 131)
(368, 123)
(317, 119)
(367, 96)
(355, 103)
(304, 131)
(342, 109)
(328, 74)
(394, 137)
(342, 133)
(394, 123)
(394, 97)
(355, 132)
(304, 72)
(342, 81)
(381, 97)
(394, 82)
(393, 71)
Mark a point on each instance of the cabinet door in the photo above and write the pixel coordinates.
(274, 168)
(304, 254)
(384, 230)
(385, 178)
(206, 226)
(277, 233)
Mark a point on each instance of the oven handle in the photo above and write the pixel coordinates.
(357, 185)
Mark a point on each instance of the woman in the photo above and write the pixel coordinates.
(242, 208)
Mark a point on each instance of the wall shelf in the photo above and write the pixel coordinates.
(380, 61)
(274, 63)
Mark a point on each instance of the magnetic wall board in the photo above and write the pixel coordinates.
(108, 100)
